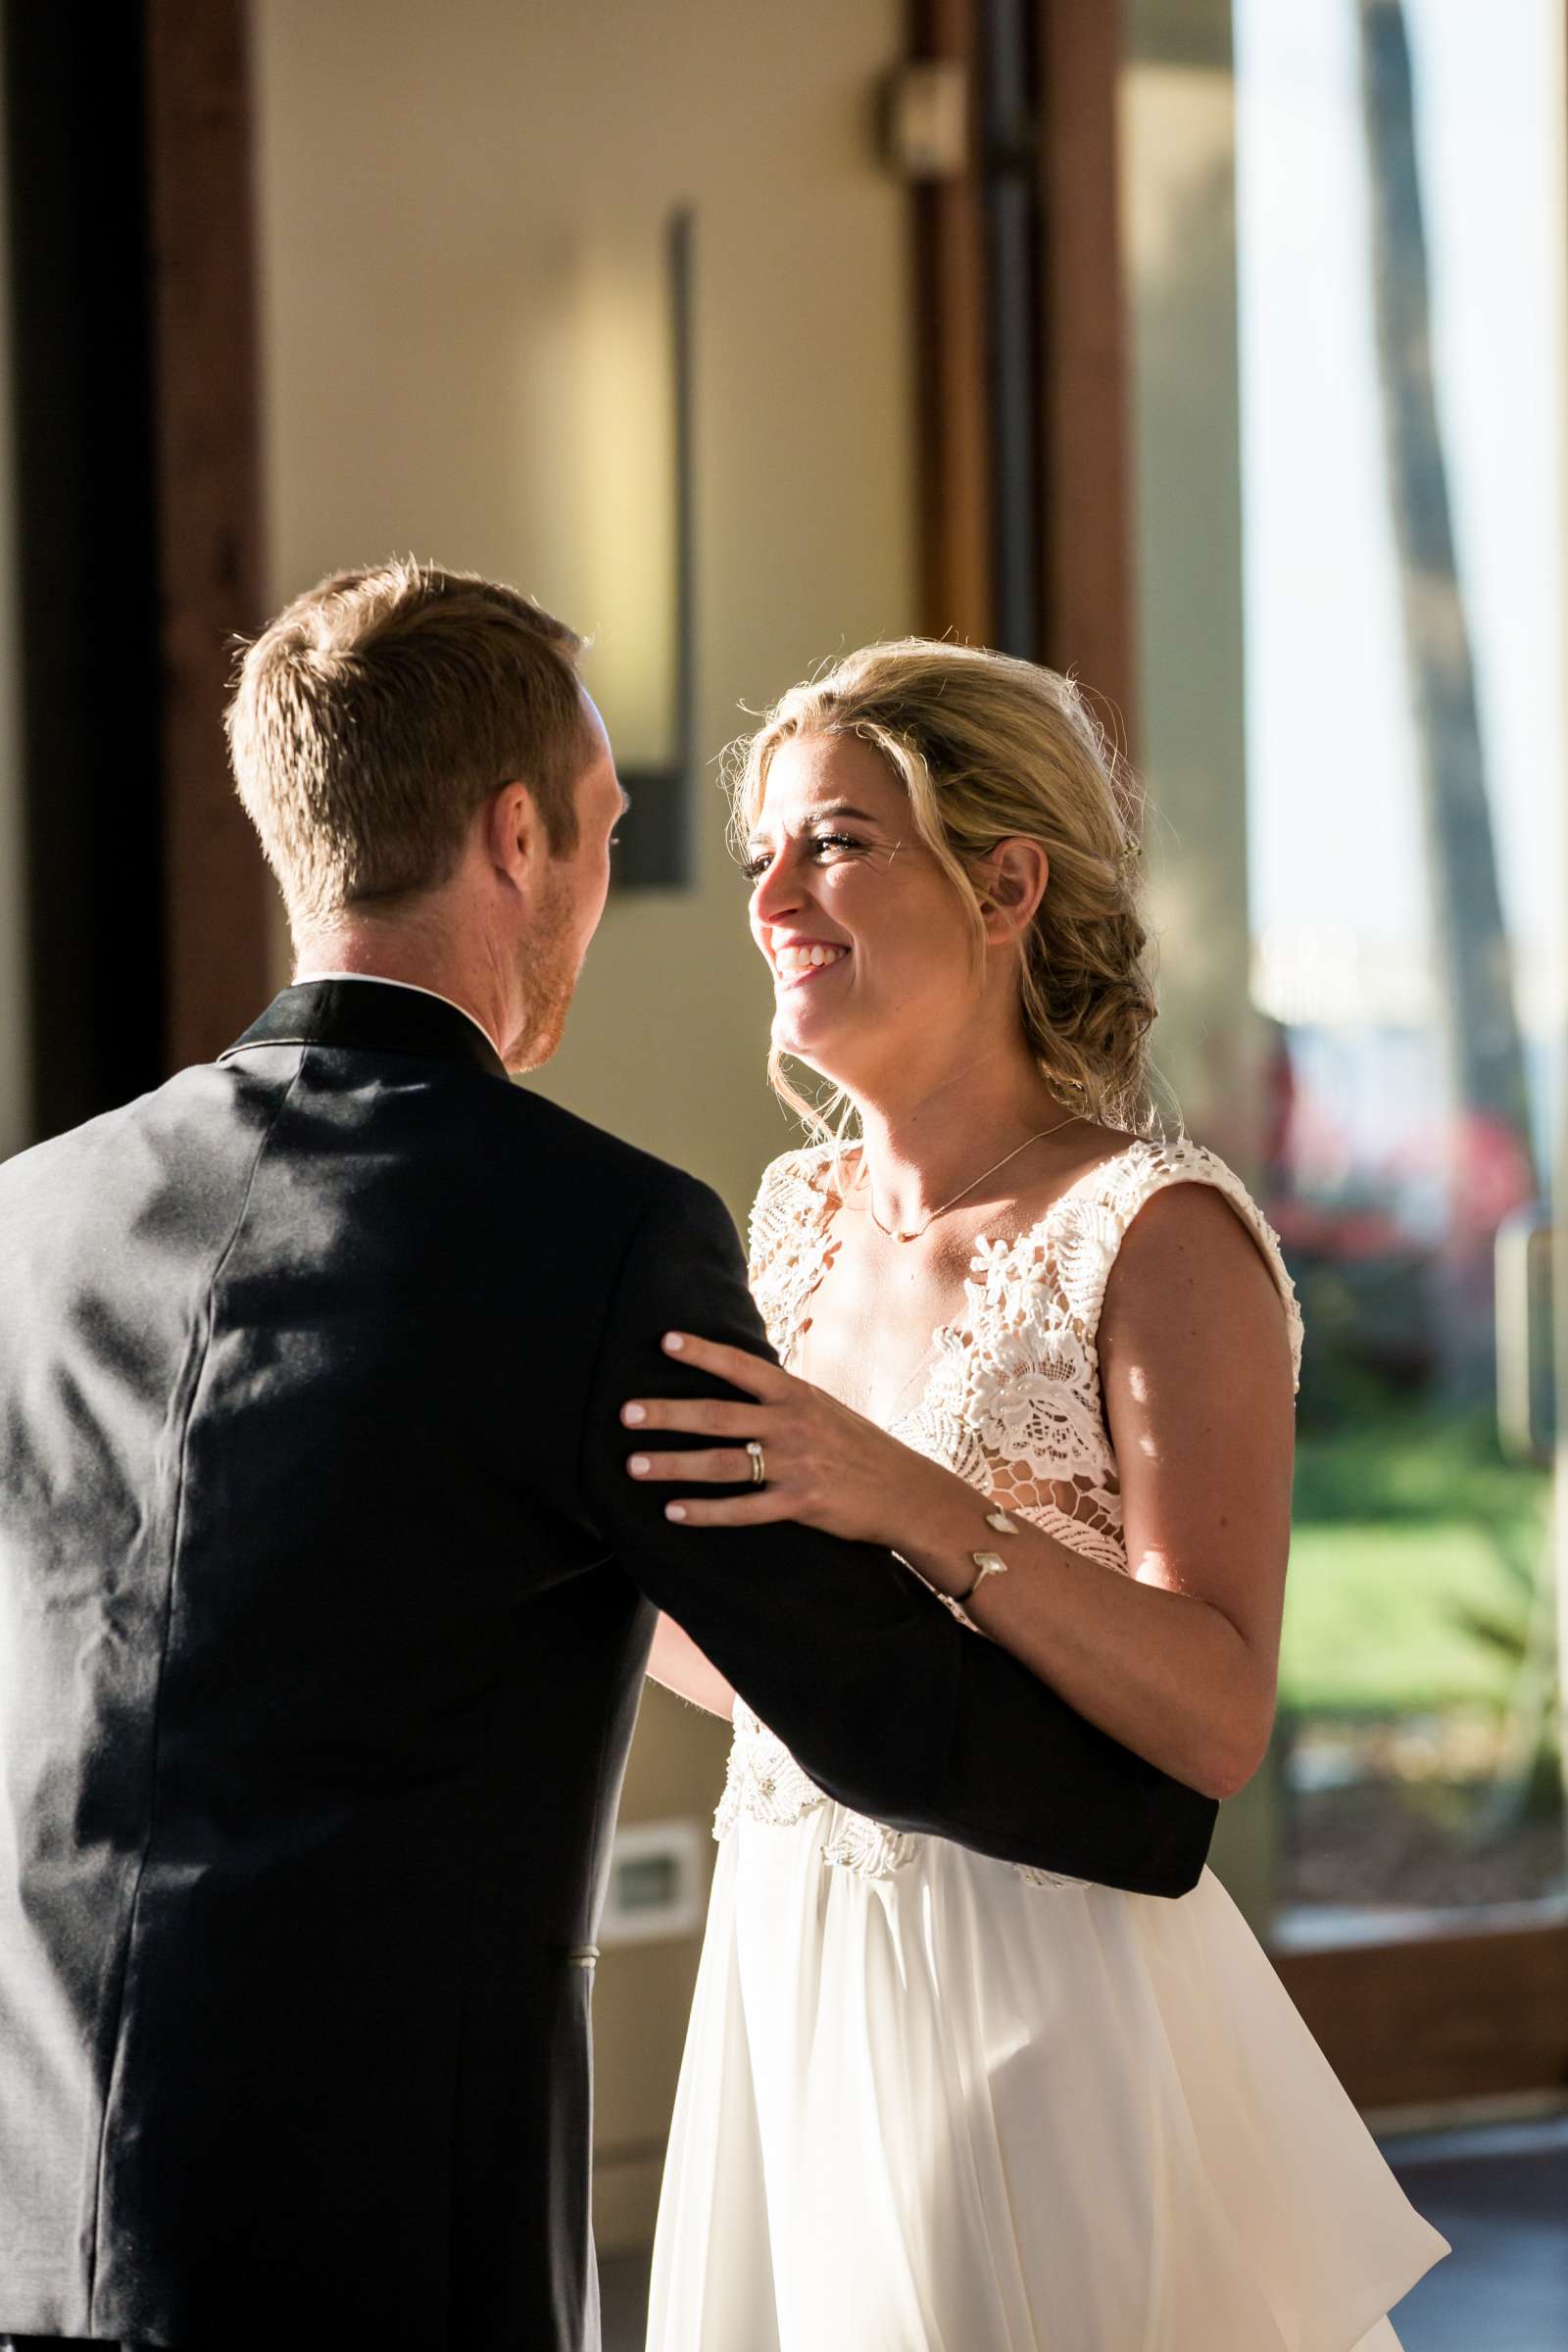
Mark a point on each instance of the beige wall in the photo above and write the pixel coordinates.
(14, 1014)
(460, 218)
(461, 212)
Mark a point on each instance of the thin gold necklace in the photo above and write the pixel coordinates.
(942, 1209)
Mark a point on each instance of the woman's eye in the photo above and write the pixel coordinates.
(756, 865)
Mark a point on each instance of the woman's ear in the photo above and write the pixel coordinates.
(1015, 876)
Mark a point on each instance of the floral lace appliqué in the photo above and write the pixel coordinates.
(1011, 1403)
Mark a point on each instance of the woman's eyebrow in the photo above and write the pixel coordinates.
(818, 816)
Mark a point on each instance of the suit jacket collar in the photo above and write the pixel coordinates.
(368, 1016)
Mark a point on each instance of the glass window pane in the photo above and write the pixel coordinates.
(1401, 260)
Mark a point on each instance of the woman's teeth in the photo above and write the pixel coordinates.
(806, 959)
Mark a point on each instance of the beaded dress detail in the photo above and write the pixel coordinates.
(1012, 1401)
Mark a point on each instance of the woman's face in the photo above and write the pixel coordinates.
(868, 944)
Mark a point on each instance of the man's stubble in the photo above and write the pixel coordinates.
(550, 974)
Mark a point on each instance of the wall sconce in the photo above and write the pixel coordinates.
(655, 851)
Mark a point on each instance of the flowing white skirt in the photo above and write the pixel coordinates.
(949, 2111)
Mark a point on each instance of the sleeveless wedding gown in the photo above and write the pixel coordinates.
(932, 2102)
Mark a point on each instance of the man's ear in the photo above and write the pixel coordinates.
(514, 836)
(1015, 874)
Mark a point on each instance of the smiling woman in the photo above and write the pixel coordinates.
(887, 809)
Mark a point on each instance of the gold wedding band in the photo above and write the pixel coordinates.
(754, 1447)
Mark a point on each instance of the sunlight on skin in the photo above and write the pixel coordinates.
(903, 1019)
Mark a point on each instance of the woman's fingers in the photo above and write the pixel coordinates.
(752, 1374)
(711, 1416)
(695, 1416)
(730, 1510)
(782, 1421)
(715, 1468)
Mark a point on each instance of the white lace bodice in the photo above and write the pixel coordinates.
(1012, 1401)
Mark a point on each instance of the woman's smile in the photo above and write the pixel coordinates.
(797, 963)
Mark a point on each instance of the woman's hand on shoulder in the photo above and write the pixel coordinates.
(821, 1463)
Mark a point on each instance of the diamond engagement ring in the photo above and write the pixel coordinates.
(754, 1447)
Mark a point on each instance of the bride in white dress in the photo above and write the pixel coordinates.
(931, 2103)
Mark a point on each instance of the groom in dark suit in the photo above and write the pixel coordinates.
(327, 1595)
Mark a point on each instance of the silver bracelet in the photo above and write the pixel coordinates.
(986, 1563)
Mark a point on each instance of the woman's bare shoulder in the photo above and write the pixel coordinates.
(1196, 1265)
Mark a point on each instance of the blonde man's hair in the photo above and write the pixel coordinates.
(380, 709)
(990, 749)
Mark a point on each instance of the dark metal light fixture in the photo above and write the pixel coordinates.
(657, 848)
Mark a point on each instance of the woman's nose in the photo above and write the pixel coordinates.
(778, 891)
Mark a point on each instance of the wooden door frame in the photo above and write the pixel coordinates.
(86, 642)
(131, 292)
(207, 374)
(1083, 493)
(1086, 465)
(953, 446)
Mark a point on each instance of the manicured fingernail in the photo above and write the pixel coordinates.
(639, 1465)
(633, 1413)
(673, 1342)
(675, 1510)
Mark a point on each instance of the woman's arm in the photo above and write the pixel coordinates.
(1177, 1660)
(677, 1661)
(893, 1710)
(1180, 1659)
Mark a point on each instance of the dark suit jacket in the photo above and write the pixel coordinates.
(326, 1599)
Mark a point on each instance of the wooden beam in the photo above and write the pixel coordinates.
(955, 452)
(1452, 2017)
(1085, 442)
(74, 156)
(207, 456)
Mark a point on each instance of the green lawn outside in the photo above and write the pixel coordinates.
(1409, 1527)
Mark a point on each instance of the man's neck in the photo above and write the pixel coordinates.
(408, 962)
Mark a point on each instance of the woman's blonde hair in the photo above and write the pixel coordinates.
(990, 749)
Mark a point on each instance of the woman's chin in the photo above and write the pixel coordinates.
(796, 1032)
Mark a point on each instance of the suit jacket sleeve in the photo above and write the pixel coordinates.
(888, 1703)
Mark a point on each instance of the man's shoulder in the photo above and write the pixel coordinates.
(520, 1145)
(545, 1133)
(95, 1143)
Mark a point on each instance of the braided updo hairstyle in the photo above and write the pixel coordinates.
(991, 749)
